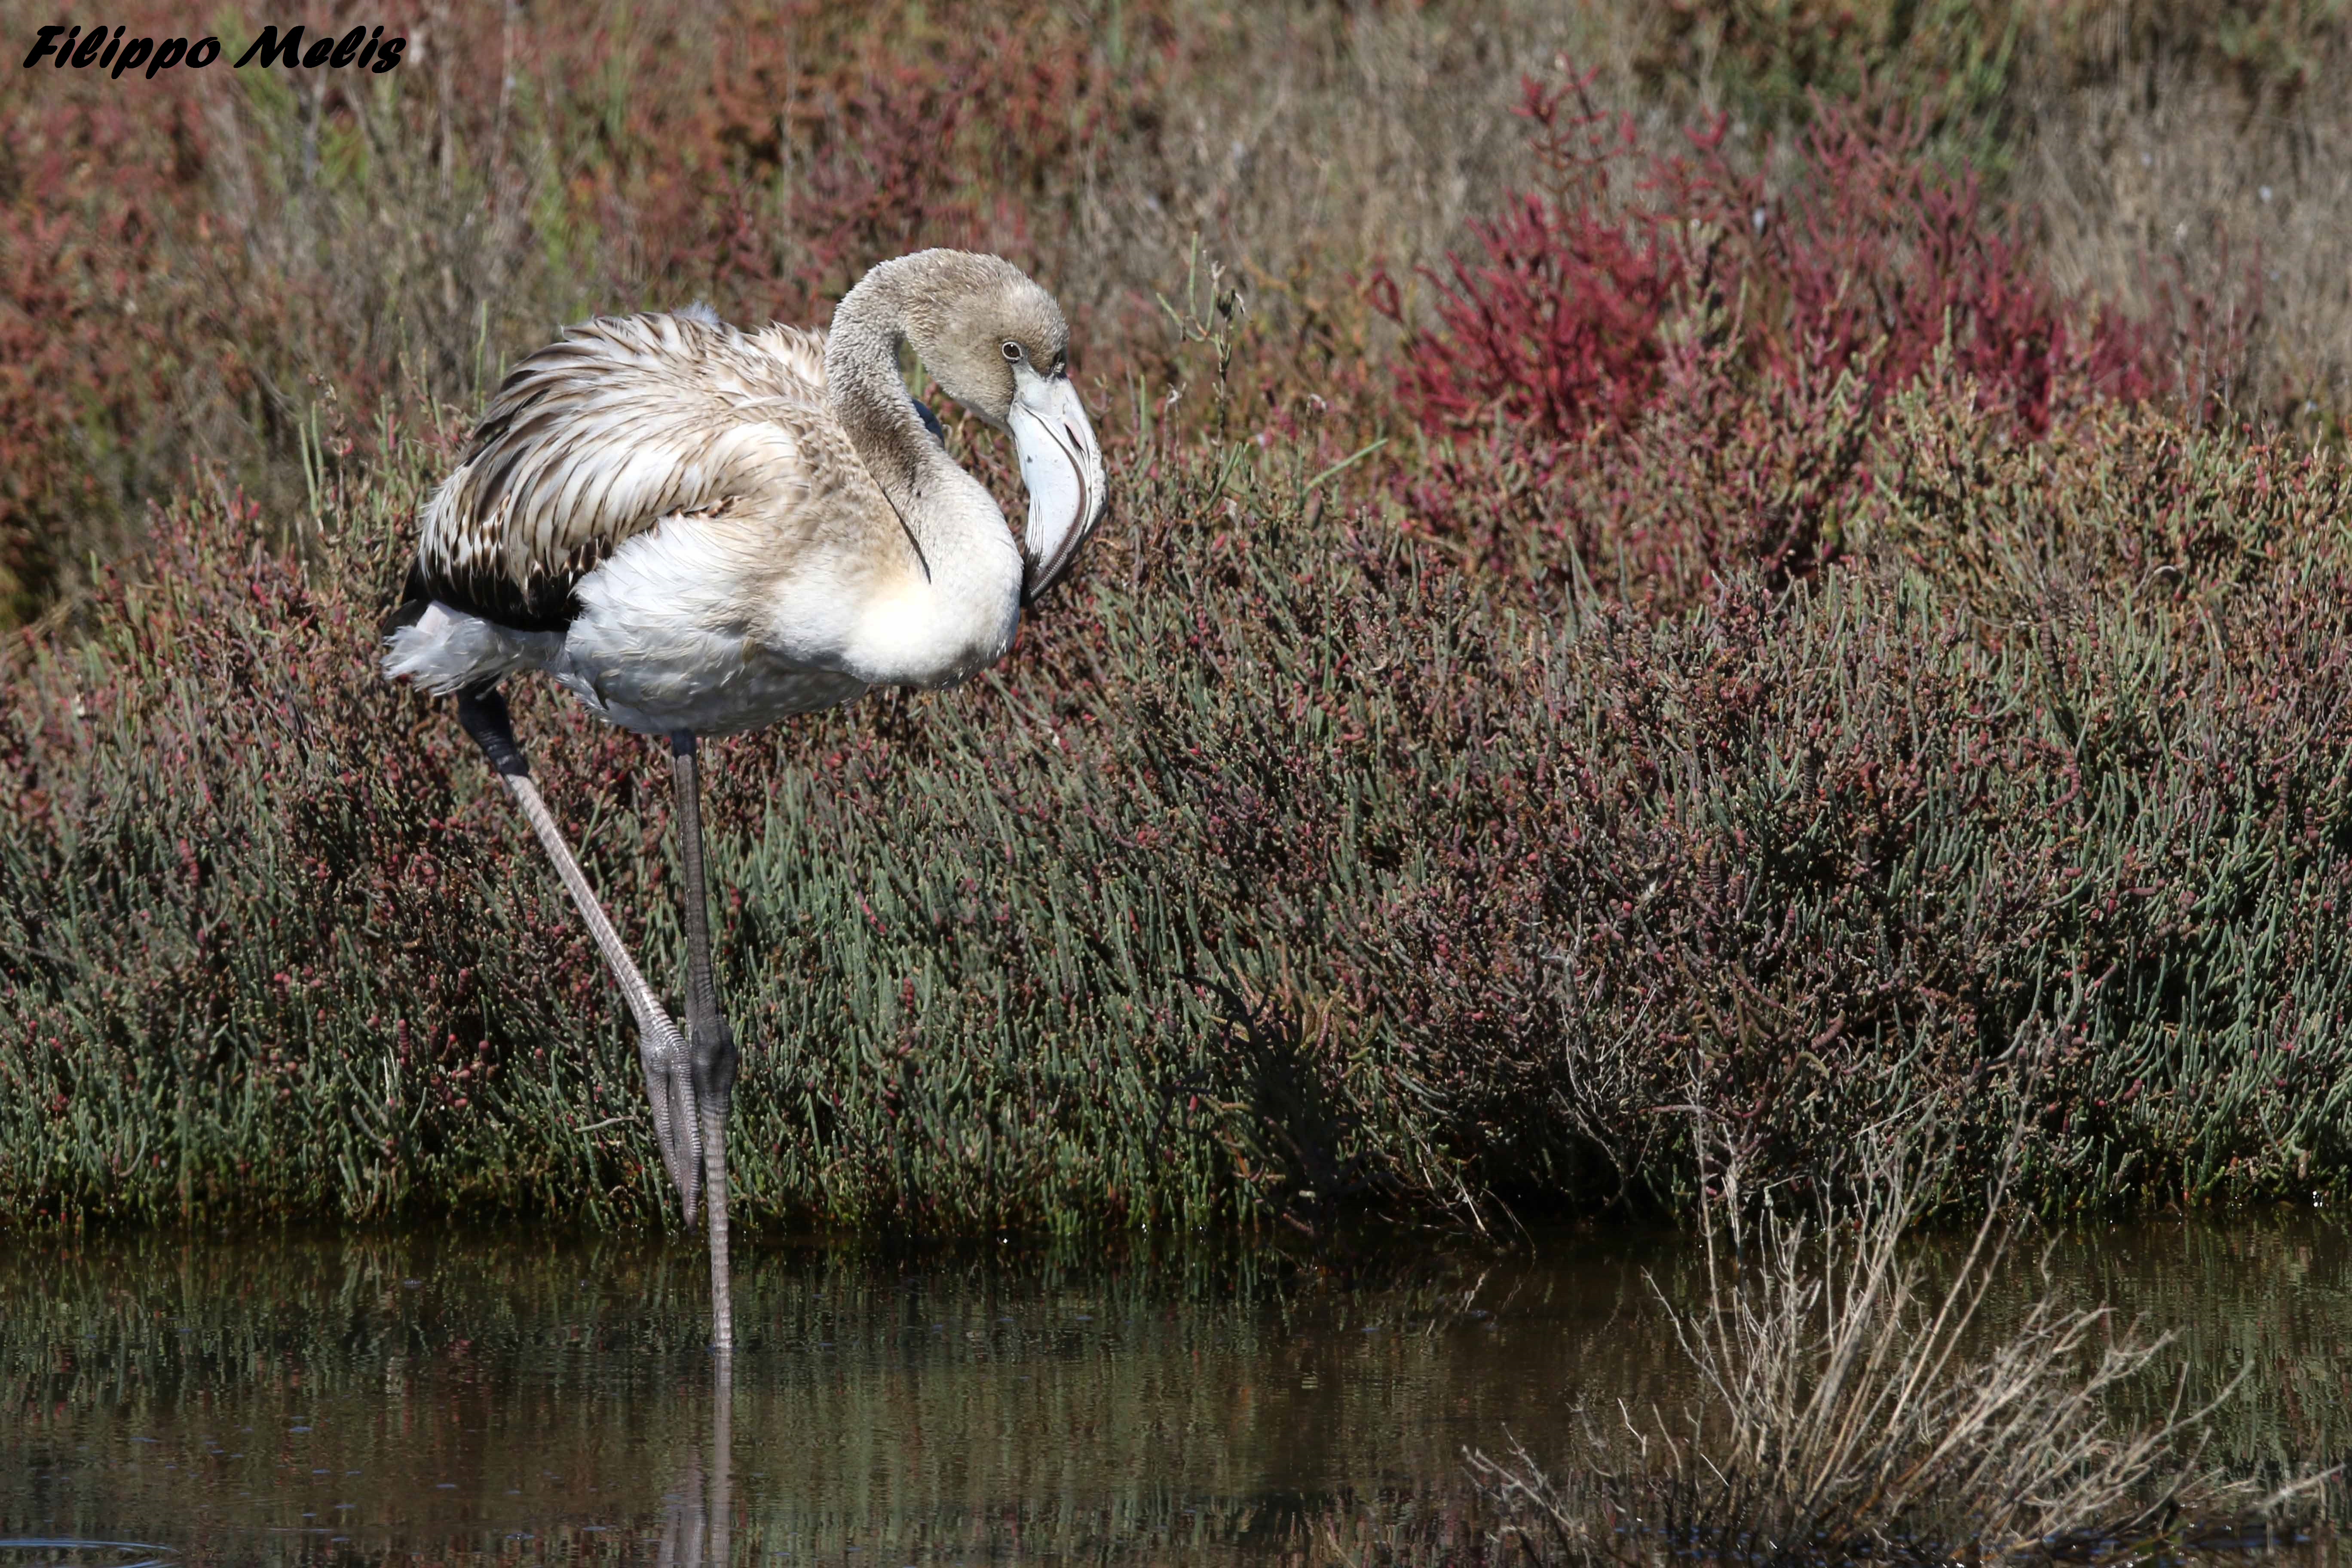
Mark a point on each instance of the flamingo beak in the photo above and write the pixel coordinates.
(1063, 467)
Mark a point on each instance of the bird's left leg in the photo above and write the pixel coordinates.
(710, 1044)
(669, 1083)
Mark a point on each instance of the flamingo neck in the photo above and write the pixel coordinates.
(861, 371)
(934, 498)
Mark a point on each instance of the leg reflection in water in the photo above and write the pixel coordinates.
(698, 1525)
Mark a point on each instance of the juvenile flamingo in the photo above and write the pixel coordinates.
(697, 531)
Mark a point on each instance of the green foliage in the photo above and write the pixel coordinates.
(1287, 870)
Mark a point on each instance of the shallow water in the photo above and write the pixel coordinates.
(434, 1399)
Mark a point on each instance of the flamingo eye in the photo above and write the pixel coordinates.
(1011, 350)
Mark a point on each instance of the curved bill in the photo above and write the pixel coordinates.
(1063, 468)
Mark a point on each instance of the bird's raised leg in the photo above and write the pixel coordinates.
(710, 1042)
(669, 1083)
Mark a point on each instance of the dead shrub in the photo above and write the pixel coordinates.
(1856, 1409)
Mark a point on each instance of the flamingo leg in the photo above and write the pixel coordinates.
(708, 1039)
(661, 1050)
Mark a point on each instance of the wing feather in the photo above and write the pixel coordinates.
(598, 437)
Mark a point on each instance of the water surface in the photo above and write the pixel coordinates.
(470, 1397)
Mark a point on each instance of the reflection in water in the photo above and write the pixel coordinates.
(451, 1394)
(695, 1515)
(28, 1550)
(361, 1399)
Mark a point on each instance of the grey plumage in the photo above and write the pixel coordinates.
(598, 437)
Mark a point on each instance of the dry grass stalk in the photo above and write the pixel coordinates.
(1854, 1409)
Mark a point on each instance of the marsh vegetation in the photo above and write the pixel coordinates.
(1773, 623)
(1772, 570)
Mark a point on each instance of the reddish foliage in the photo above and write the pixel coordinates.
(1874, 249)
(1662, 388)
(1558, 327)
(90, 186)
(1871, 252)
